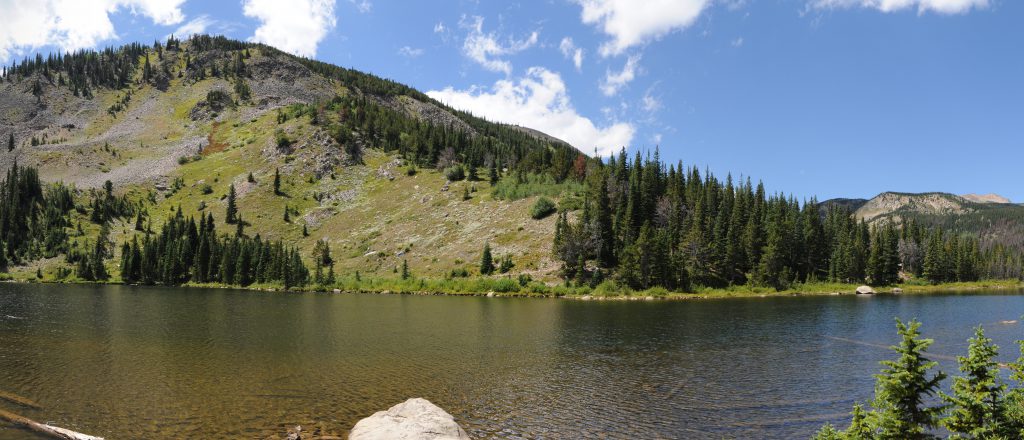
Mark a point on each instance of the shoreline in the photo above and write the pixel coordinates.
(589, 294)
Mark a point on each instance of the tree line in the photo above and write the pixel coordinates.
(33, 217)
(648, 224)
(186, 252)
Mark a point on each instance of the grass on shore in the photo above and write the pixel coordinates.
(510, 286)
(524, 286)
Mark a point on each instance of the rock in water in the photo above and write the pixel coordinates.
(414, 419)
(865, 290)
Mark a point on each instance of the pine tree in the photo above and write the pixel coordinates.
(10, 142)
(405, 270)
(240, 229)
(903, 388)
(492, 173)
(231, 214)
(860, 427)
(486, 261)
(605, 230)
(277, 181)
(287, 215)
(1015, 396)
(978, 406)
(934, 257)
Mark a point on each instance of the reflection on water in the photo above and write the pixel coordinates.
(126, 362)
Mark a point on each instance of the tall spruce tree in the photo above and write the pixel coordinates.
(277, 181)
(978, 405)
(486, 260)
(231, 212)
(905, 387)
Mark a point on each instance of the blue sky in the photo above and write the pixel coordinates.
(833, 98)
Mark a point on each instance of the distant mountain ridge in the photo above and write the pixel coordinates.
(992, 217)
(986, 198)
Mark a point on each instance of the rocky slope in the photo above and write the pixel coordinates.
(181, 136)
(986, 198)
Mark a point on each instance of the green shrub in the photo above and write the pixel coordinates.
(186, 159)
(570, 202)
(543, 207)
(505, 285)
(608, 288)
(512, 187)
(281, 138)
(656, 292)
(206, 188)
(455, 173)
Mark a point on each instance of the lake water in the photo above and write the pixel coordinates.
(133, 362)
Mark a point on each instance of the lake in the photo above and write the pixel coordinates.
(150, 362)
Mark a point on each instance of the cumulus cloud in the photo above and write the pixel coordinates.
(570, 51)
(539, 100)
(410, 52)
(294, 26)
(632, 23)
(487, 49)
(922, 6)
(73, 24)
(615, 81)
(197, 25)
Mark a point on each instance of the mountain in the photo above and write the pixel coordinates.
(361, 158)
(986, 198)
(987, 216)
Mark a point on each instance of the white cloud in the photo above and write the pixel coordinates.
(487, 50)
(613, 82)
(72, 24)
(363, 6)
(737, 42)
(410, 52)
(294, 26)
(633, 23)
(440, 28)
(922, 6)
(570, 51)
(651, 103)
(539, 100)
(197, 25)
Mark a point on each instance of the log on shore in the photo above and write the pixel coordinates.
(42, 428)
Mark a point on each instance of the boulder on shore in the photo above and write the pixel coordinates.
(865, 290)
(414, 419)
(897, 290)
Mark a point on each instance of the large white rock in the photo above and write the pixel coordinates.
(414, 419)
(865, 290)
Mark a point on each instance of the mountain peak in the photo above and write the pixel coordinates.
(986, 198)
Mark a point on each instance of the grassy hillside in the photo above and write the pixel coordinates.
(181, 140)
